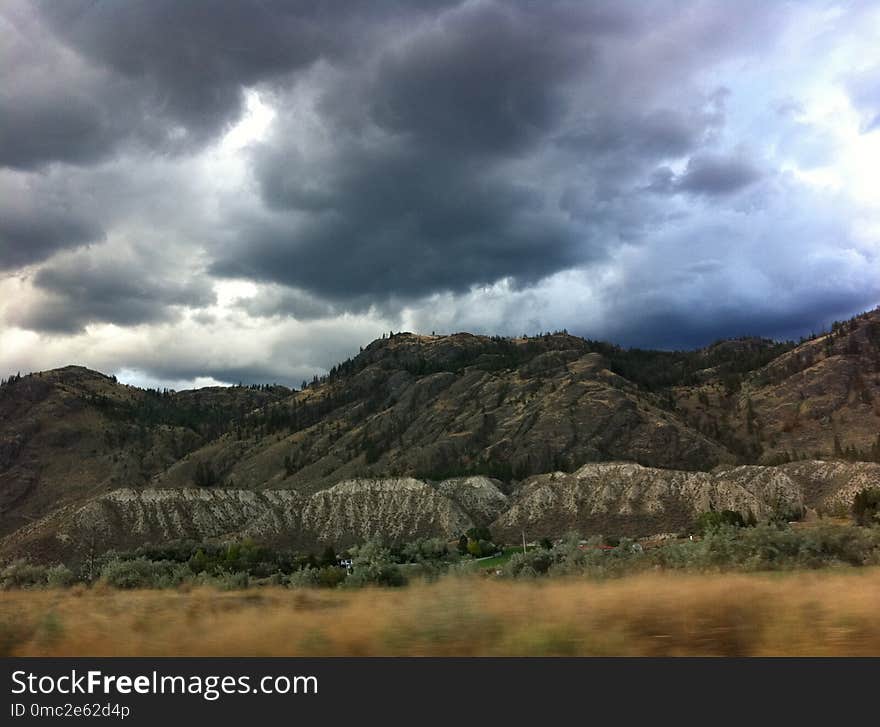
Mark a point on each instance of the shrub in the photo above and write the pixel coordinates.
(60, 576)
(372, 565)
(533, 562)
(303, 578)
(21, 574)
(866, 506)
(424, 550)
(331, 576)
(205, 475)
(712, 520)
(828, 543)
(479, 533)
(143, 573)
(237, 581)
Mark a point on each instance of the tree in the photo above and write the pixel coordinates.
(479, 533)
(713, 520)
(866, 506)
(205, 475)
(328, 557)
(372, 564)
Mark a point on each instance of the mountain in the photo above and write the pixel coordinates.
(820, 399)
(71, 433)
(445, 406)
(411, 412)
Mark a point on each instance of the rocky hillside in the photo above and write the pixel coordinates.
(606, 498)
(71, 433)
(628, 499)
(395, 510)
(820, 399)
(441, 407)
(434, 409)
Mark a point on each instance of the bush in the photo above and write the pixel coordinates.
(303, 578)
(21, 574)
(829, 544)
(531, 563)
(143, 573)
(205, 475)
(774, 547)
(60, 576)
(425, 550)
(866, 506)
(771, 546)
(330, 576)
(372, 565)
(237, 581)
(712, 520)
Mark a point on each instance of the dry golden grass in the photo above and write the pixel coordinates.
(820, 613)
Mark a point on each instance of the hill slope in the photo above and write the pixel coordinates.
(605, 498)
(71, 433)
(413, 408)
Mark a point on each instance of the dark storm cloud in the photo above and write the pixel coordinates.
(416, 149)
(714, 175)
(486, 81)
(437, 178)
(190, 65)
(667, 324)
(55, 105)
(81, 77)
(29, 235)
(279, 301)
(626, 131)
(707, 174)
(288, 360)
(403, 223)
(79, 290)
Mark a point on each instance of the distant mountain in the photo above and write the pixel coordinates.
(439, 407)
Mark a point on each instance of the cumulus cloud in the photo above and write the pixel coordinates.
(34, 226)
(707, 174)
(276, 300)
(864, 90)
(103, 285)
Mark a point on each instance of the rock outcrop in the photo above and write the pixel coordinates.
(618, 498)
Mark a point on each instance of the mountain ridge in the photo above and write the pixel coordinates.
(436, 408)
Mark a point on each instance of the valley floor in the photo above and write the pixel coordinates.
(827, 612)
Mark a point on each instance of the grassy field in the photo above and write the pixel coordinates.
(496, 561)
(815, 613)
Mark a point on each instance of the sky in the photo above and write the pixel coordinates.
(200, 193)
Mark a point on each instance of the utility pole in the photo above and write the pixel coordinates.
(524, 540)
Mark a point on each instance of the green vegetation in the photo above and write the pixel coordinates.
(205, 475)
(724, 547)
(866, 506)
(712, 520)
(143, 573)
(728, 544)
(499, 560)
